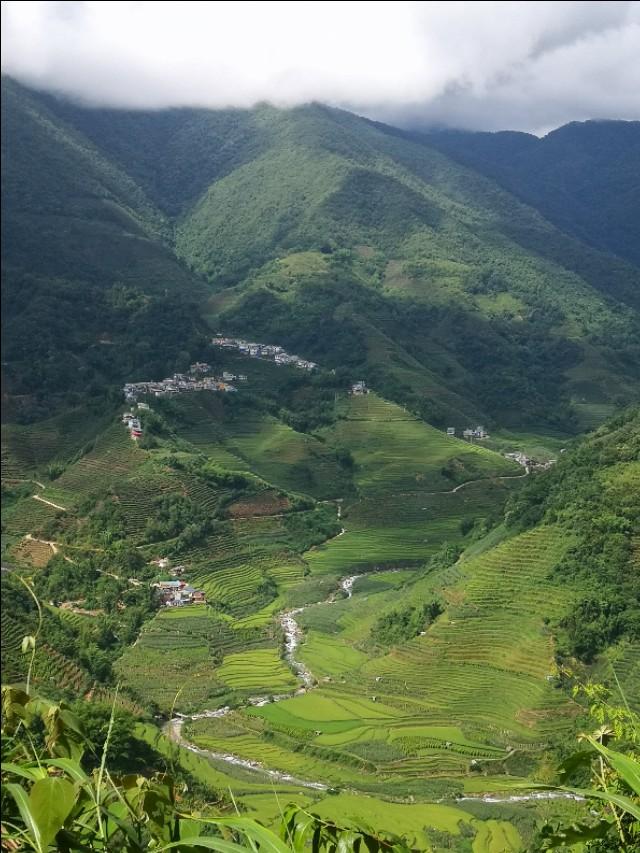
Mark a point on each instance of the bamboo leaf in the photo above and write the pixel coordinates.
(626, 767)
(625, 803)
(268, 840)
(577, 833)
(199, 843)
(72, 768)
(347, 841)
(31, 773)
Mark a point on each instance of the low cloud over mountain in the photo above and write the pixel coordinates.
(484, 65)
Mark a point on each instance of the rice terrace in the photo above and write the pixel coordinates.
(320, 474)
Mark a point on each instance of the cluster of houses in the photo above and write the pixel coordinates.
(133, 425)
(358, 389)
(177, 593)
(180, 383)
(528, 463)
(267, 351)
(470, 433)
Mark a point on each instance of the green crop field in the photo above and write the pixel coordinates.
(429, 706)
(173, 656)
(396, 452)
(113, 456)
(27, 450)
(415, 821)
(256, 671)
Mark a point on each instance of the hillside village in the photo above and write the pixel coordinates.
(180, 383)
(177, 593)
(265, 351)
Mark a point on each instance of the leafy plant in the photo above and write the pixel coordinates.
(615, 780)
(50, 803)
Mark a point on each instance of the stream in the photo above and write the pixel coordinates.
(293, 636)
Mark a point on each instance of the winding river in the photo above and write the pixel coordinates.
(293, 636)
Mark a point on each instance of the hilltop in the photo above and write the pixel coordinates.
(347, 242)
(247, 354)
(583, 177)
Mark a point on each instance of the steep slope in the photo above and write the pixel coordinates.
(470, 290)
(584, 176)
(353, 244)
(89, 275)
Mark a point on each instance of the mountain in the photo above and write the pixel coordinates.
(389, 610)
(90, 278)
(584, 177)
(357, 246)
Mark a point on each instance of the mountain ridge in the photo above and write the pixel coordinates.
(407, 252)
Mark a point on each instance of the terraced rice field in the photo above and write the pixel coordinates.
(178, 652)
(479, 683)
(27, 450)
(115, 456)
(396, 452)
(257, 671)
(624, 660)
(486, 660)
(33, 553)
(293, 460)
(263, 444)
(28, 516)
(51, 669)
(407, 527)
(415, 821)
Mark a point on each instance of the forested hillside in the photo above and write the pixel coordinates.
(584, 177)
(299, 583)
(90, 284)
(352, 243)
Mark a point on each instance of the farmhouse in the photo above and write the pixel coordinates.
(475, 432)
(169, 585)
(176, 593)
(359, 388)
(451, 431)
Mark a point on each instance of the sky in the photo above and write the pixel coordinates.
(476, 65)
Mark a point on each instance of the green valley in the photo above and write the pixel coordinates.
(316, 579)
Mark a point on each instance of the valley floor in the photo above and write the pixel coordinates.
(282, 687)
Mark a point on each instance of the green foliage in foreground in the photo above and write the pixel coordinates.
(49, 802)
(614, 776)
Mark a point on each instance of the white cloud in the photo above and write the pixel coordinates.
(524, 65)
